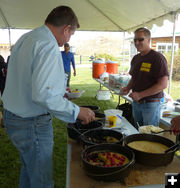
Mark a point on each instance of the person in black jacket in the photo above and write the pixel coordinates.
(2, 76)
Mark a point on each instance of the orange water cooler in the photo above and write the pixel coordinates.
(98, 68)
(112, 67)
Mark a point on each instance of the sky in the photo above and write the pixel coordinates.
(166, 29)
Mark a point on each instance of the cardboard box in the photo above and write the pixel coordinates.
(118, 80)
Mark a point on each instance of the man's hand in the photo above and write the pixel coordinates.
(175, 125)
(125, 90)
(74, 73)
(135, 96)
(86, 115)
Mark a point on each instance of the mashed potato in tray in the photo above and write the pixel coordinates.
(149, 129)
(148, 146)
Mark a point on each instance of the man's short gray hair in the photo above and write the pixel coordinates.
(146, 32)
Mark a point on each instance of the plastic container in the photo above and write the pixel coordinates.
(98, 68)
(112, 67)
(112, 121)
(103, 95)
(114, 112)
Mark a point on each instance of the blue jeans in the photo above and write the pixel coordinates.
(33, 138)
(146, 113)
(68, 78)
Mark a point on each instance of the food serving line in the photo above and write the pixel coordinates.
(81, 173)
(140, 176)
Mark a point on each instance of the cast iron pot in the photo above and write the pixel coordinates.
(151, 159)
(100, 117)
(95, 109)
(118, 173)
(76, 129)
(96, 136)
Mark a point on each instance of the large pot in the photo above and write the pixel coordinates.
(117, 173)
(151, 159)
(76, 129)
(100, 136)
(95, 109)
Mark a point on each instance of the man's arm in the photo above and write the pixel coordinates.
(73, 64)
(126, 89)
(156, 88)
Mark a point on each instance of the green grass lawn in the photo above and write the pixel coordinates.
(175, 90)
(9, 157)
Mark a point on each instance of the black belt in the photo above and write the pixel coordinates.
(148, 100)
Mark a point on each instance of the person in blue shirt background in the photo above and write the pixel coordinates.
(34, 92)
(68, 58)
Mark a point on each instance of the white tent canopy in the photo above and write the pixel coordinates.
(93, 15)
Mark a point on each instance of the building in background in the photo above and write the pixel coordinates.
(164, 43)
(5, 50)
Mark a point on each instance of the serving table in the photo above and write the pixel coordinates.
(140, 176)
(113, 90)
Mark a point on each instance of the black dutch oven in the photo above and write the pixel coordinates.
(76, 129)
(151, 159)
(95, 109)
(100, 136)
(114, 173)
(100, 117)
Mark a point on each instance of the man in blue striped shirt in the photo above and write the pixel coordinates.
(34, 91)
(68, 58)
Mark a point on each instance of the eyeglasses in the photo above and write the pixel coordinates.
(139, 40)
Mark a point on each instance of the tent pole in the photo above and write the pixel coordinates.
(123, 51)
(9, 31)
(172, 53)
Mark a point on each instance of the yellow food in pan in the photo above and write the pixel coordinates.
(148, 146)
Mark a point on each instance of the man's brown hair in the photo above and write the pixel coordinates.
(62, 15)
(66, 45)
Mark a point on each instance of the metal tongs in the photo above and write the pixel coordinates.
(174, 148)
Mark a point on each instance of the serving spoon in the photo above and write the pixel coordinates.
(162, 131)
(174, 147)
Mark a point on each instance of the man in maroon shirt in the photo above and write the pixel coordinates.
(149, 77)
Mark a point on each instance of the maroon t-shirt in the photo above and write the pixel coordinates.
(146, 70)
